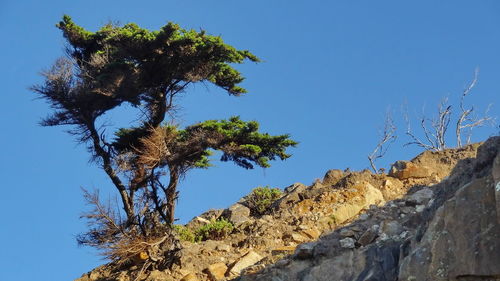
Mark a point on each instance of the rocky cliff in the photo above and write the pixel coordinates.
(436, 217)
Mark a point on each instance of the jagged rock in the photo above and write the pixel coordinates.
(282, 263)
(392, 188)
(212, 214)
(390, 228)
(456, 237)
(405, 170)
(369, 235)
(420, 197)
(347, 243)
(291, 196)
(347, 232)
(311, 233)
(296, 187)
(366, 195)
(237, 214)
(223, 248)
(419, 208)
(305, 212)
(216, 271)
(294, 237)
(245, 261)
(313, 191)
(332, 177)
(304, 251)
(197, 222)
(462, 241)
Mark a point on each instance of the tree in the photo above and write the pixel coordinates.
(120, 65)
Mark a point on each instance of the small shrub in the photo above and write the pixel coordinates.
(215, 230)
(184, 233)
(261, 199)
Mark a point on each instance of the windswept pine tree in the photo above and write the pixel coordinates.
(129, 65)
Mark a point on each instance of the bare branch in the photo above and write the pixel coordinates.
(387, 137)
(466, 120)
(416, 140)
(434, 129)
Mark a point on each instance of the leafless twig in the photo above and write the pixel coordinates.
(434, 129)
(387, 137)
(466, 120)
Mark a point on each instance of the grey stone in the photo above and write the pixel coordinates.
(304, 251)
(420, 197)
(347, 243)
(391, 228)
(237, 214)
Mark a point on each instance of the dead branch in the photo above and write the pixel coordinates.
(466, 119)
(415, 139)
(434, 129)
(441, 124)
(387, 137)
(103, 215)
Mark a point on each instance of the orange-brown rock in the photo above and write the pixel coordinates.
(216, 271)
(405, 170)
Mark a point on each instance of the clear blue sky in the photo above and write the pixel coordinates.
(330, 71)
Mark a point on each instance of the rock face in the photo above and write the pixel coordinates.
(456, 236)
(462, 241)
(435, 217)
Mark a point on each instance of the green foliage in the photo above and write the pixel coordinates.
(240, 141)
(185, 234)
(215, 230)
(157, 57)
(261, 199)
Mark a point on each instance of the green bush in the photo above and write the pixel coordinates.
(185, 234)
(261, 199)
(215, 230)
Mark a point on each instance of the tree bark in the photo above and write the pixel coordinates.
(171, 194)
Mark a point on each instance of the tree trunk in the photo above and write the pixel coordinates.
(128, 205)
(171, 195)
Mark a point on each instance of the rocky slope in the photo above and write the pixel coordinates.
(436, 217)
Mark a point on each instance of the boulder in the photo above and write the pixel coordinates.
(245, 261)
(304, 251)
(332, 177)
(420, 197)
(368, 236)
(390, 228)
(405, 170)
(347, 243)
(237, 214)
(366, 195)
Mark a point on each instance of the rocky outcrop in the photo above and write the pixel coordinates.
(448, 231)
(350, 226)
(462, 241)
